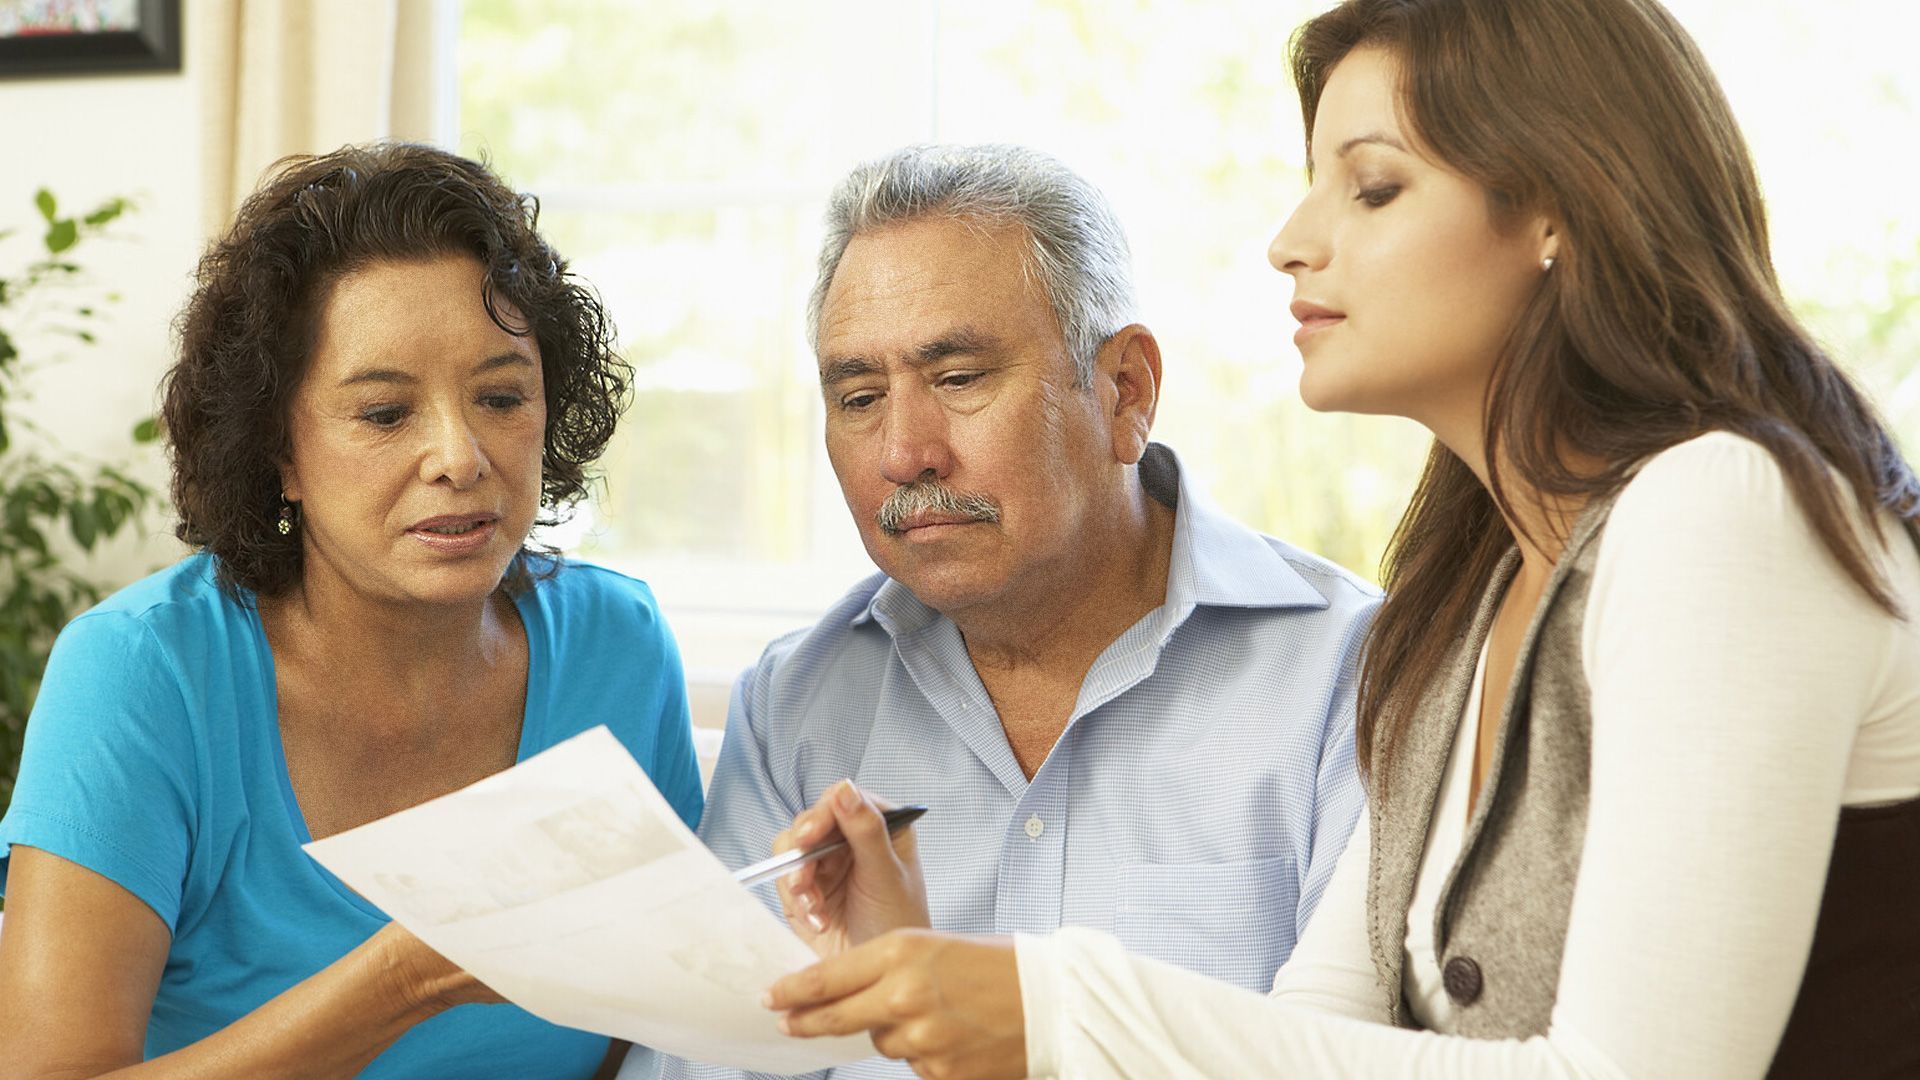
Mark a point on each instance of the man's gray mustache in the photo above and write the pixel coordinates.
(911, 500)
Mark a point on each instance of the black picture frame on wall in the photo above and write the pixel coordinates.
(153, 45)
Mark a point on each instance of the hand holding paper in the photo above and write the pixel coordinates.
(568, 885)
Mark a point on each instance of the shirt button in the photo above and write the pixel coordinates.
(1462, 980)
(1035, 827)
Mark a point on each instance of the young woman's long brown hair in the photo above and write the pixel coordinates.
(1660, 320)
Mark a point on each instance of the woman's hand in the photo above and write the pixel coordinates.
(81, 958)
(422, 980)
(841, 900)
(948, 1005)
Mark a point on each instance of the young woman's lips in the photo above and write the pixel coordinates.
(456, 534)
(1313, 319)
(1320, 322)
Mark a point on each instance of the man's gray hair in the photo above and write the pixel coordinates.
(1075, 246)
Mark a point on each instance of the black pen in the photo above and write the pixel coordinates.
(897, 818)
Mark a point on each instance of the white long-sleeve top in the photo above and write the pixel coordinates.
(1744, 689)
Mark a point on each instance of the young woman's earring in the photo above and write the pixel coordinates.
(286, 517)
(1546, 263)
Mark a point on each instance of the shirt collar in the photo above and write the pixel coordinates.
(1215, 561)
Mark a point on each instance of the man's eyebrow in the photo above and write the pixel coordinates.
(395, 376)
(850, 367)
(967, 339)
(964, 340)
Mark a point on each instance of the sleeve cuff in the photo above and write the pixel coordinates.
(89, 849)
(1037, 958)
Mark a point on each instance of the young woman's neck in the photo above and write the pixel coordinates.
(1539, 523)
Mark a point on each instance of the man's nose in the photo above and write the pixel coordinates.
(914, 439)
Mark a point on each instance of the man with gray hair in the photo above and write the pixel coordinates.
(1125, 710)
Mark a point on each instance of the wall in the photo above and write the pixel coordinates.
(89, 139)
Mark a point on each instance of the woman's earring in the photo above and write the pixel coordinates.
(286, 517)
(1546, 263)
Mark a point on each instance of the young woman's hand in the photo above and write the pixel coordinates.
(872, 886)
(950, 1006)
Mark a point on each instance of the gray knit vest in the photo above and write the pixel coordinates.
(1500, 926)
(1501, 923)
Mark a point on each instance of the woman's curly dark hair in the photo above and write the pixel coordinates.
(246, 333)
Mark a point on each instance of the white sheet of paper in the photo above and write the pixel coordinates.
(568, 885)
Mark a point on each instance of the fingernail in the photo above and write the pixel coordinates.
(786, 1027)
(816, 922)
(849, 799)
(766, 1000)
(806, 900)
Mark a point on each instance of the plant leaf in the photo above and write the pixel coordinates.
(41, 498)
(44, 200)
(109, 510)
(106, 212)
(147, 430)
(30, 537)
(81, 523)
(61, 235)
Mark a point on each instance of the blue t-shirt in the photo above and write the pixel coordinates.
(153, 757)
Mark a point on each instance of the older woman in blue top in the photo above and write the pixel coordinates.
(385, 376)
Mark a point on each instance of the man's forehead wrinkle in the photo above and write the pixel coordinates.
(892, 283)
(905, 297)
(852, 306)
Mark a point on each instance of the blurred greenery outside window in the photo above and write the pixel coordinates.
(683, 151)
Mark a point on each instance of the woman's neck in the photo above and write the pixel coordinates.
(1540, 523)
(327, 625)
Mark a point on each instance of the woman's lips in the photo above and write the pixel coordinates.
(475, 532)
(1313, 318)
(1314, 324)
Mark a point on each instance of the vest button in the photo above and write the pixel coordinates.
(1461, 977)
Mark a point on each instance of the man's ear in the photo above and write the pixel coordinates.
(1130, 361)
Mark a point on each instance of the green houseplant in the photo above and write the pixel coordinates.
(52, 509)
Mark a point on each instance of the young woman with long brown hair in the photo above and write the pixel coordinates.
(1641, 715)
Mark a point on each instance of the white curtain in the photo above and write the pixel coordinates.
(286, 77)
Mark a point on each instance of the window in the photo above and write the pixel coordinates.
(683, 152)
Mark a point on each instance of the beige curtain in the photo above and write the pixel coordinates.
(286, 77)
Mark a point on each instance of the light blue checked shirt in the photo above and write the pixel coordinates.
(1194, 806)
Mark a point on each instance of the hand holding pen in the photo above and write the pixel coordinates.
(859, 892)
